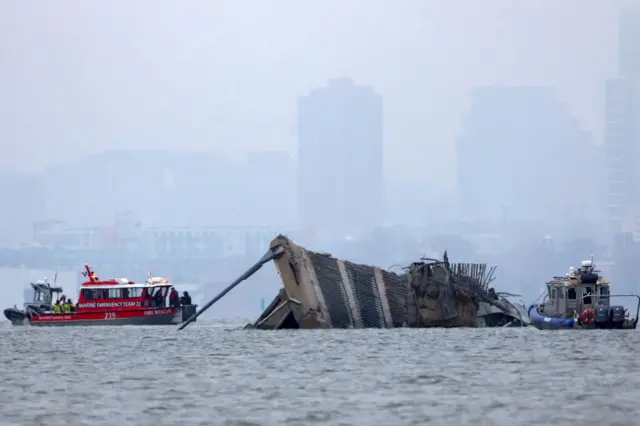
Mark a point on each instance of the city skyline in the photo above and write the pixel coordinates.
(179, 97)
(216, 187)
(223, 163)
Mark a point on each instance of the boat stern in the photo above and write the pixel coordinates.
(183, 313)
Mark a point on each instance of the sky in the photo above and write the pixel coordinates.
(82, 77)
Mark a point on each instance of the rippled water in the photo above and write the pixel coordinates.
(222, 375)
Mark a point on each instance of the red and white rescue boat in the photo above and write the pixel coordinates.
(115, 301)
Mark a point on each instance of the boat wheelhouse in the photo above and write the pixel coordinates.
(582, 299)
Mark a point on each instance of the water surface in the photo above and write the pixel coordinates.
(218, 374)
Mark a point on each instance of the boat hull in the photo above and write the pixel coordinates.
(16, 316)
(542, 322)
(150, 316)
(156, 316)
(163, 316)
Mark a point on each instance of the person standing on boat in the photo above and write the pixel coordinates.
(185, 299)
(174, 300)
(56, 307)
(66, 307)
(63, 304)
(158, 298)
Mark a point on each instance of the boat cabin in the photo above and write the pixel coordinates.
(43, 295)
(576, 291)
(121, 294)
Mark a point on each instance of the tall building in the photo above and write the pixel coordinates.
(340, 158)
(629, 41)
(622, 127)
(523, 158)
(21, 197)
(622, 139)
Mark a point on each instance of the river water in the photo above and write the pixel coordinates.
(218, 374)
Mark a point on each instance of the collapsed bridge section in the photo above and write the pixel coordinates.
(326, 292)
(321, 291)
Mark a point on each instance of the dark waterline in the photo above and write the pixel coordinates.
(218, 374)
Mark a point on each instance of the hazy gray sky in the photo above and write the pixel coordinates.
(81, 77)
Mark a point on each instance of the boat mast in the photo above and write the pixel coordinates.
(90, 275)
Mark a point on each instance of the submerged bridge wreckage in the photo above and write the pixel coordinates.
(320, 291)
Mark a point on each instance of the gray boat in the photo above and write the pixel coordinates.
(582, 300)
(41, 303)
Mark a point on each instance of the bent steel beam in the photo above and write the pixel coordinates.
(271, 254)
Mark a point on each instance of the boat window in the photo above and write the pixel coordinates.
(586, 296)
(604, 291)
(571, 293)
(91, 294)
(553, 294)
(132, 293)
(112, 293)
(561, 293)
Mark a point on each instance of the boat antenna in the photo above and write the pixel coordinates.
(55, 278)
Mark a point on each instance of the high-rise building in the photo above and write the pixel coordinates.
(523, 158)
(622, 127)
(21, 206)
(622, 139)
(629, 41)
(340, 158)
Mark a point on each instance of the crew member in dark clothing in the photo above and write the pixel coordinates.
(174, 301)
(148, 299)
(158, 299)
(185, 299)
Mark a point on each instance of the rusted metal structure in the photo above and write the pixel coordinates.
(321, 291)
